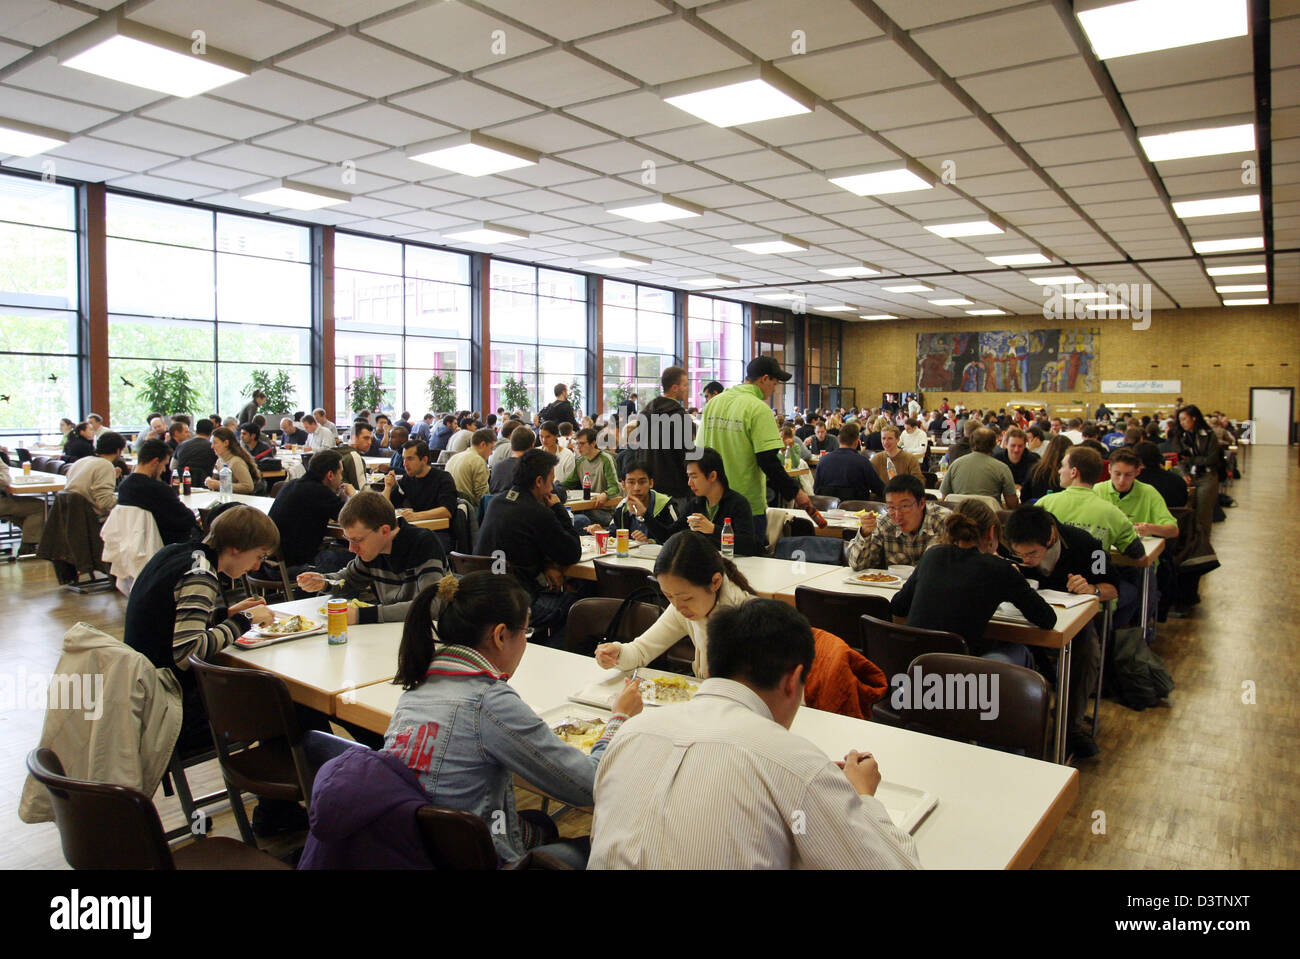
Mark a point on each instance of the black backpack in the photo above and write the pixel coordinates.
(1141, 678)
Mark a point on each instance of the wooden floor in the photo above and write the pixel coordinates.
(1207, 783)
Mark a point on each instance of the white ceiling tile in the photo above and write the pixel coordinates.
(48, 76)
(571, 19)
(547, 172)
(346, 12)
(1097, 171)
(1058, 120)
(1209, 98)
(152, 135)
(72, 169)
(615, 157)
(766, 26)
(218, 177)
(753, 165)
(548, 133)
(864, 68)
(1130, 190)
(270, 163)
(160, 186)
(368, 207)
(673, 178)
(362, 66)
(639, 51)
(998, 40)
(246, 27)
(555, 78)
(455, 35)
(377, 122)
(1286, 87)
(602, 190)
(36, 22)
(821, 124)
(471, 186)
(286, 95)
(926, 103)
(213, 116)
(797, 186)
(1089, 146)
(103, 153)
(632, 114)
(1055, 81)
(720, 197)
(698, 142)
(47, 111)
(1286, 41)
(1188, 64)
(383, 227)
(538, 201)
(1285, 123)
(465, 104)
(842, 152)
(414, 195)
(325, 146)
(944, 137)
(361, 181)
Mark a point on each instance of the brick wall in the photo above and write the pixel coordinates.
(1219, 354)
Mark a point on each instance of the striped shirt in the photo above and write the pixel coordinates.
(198, 599)
(888, 545)
(717, 784)
(415, 562)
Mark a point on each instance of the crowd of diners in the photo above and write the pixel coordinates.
(1040, 499)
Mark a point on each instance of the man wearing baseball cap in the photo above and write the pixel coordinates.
(738, 423)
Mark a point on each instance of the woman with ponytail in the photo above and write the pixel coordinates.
(960, 582)
(464, 730)
(699, 582)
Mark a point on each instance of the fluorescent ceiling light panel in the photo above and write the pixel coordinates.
(1070, 280)
(1106, 307)
(1085, 296)
(485, 233)
(909, 288)
(473, 154)
(292, 195)
(833, 308)
(1143, 26)
(620, 261)
(1243, 288)
(986, 312)
(745, 95)
(706, 281)
(1199, 138)
(1216, 205)
(656, 210)
(147, 57)
(1236, 270)
(26, 139)
(865, 269)
(953, 301)
(892, 176)
(879, 316)
(1228, 246)
(1020, 259)
(967, 226)
(773, 244)
(1262, 301)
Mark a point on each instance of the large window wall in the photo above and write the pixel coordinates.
(823, 367)
(214, 294)
(39, 345)
(402, 313)
(538, 331)
(716, 344)
(639, 331)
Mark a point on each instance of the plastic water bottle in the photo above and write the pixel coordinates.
(227, 482)
(728, 540)
(890, 468)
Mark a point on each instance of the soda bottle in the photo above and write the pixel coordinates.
(186, 487)
(176, 483)
(586, 486)
(728, 539)
(227, 482)
(338, 621)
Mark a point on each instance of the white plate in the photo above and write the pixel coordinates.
(260, 631)
(561, 714)
(602, 694)
(894, 582)
(906, 806)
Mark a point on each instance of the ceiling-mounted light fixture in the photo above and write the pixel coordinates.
(473, 154)
(144, 56)
(744, 95)
(892, 176)
(619, 261)
(27, 139)
(1198, 138)
(967, 226)
(293, 195)
(777, 243)
(656, 210)
(1144, 26)
(487, 233)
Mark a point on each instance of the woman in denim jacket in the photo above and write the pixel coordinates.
(466, 733)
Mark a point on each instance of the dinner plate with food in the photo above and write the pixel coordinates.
(279, 630)
(657, 689)
(875, 577)
(578, 726)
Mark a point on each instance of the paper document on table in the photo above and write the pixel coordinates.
(1007, 613)
(1068, 600)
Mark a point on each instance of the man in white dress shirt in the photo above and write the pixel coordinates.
(721, 783)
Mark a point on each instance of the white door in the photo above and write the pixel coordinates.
(1271, 410)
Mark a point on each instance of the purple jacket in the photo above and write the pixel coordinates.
(363, 815)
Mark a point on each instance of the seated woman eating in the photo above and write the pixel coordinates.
(714, 503)
(229, 453)
(464, 730)
(960, 582)
(698, 583)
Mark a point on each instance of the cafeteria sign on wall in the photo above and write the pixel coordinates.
(1142, 386)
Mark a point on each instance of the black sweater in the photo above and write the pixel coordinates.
(529, 534)
(301, 512)
(176, 524)
(731, 505)
(958, 590)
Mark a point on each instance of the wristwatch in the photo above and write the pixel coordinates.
(1096, 591)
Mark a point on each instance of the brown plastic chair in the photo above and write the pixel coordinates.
(271, 585)
(617, 581)
(1023, 717)
(825, 502)
(247, 706)
(455, 839)
(464, 563)
(839, 613)
(107, 826)
(893, 646)
(589, 619)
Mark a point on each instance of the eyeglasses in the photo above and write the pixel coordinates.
(362, 539)
(901, 509)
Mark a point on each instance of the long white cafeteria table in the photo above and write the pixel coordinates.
(994, 811)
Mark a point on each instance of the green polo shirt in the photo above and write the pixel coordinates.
(1141, 504)
(1080, 506)
(739, 424)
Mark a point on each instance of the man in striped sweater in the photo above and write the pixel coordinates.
(392, 557)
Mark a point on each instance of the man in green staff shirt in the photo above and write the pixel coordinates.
(1077, 505)
(739, 424)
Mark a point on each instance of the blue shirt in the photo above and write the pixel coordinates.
(846, 474)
